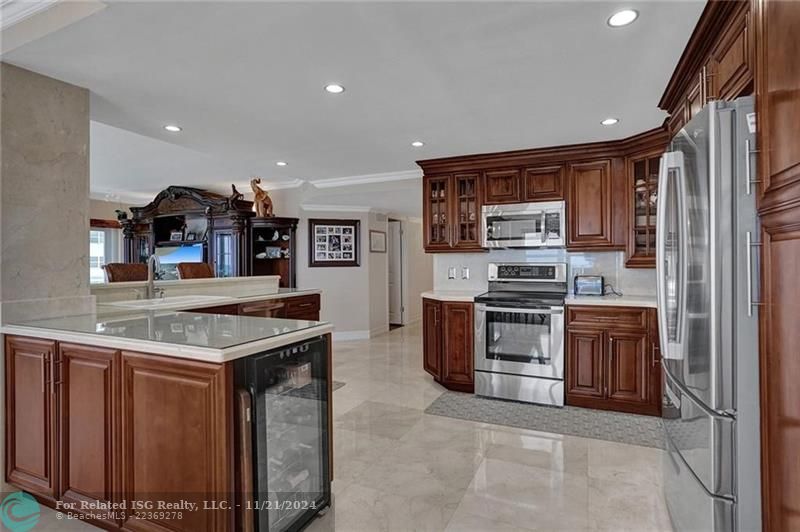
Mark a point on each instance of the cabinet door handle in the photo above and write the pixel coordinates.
(656, 357)
(45, 362)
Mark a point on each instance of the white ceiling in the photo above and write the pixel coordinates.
(245, 81)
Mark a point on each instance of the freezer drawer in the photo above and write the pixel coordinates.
(690, 506)
(704, 438)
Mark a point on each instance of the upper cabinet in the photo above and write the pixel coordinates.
(544, 183)
(452, 212)
(642, 169)
(589, 205)
(436, 212)
(717, 63)
(502, 186)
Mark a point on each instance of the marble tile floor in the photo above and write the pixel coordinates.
(399, 469)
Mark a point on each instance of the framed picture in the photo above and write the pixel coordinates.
(175, 236)
(191, 237)
(377, 241)
(333, 243)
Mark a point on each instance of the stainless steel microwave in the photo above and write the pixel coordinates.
(524, 225)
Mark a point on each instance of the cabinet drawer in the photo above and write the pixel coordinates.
(305, 305)
(270, 308)
(616, 317)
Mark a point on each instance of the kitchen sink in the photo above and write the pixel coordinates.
(170, 302)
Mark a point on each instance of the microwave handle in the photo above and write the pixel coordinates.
(544, 230)
(551, 310)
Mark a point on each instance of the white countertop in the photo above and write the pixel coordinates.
(453, 295)
(207, 337)
(612, 301)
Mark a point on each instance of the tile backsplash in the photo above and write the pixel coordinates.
(609, 264)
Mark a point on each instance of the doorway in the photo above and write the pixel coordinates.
(395, 252)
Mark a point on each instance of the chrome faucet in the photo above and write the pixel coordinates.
(153, 263)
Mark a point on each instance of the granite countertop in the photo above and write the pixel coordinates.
(207, 337)
(612, 301)
(453, 295)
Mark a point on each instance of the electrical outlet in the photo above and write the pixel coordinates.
(464, 272)
(451, 272)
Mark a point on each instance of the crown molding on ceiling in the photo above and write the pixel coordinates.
(365, 179)
(15, 11)
(132, 198)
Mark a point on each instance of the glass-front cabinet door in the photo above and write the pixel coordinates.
(467, 214)
(643, 179)
(438, 233)
(223, 254)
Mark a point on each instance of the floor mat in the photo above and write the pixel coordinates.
(573, 421)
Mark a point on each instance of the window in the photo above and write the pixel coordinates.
(104, 247)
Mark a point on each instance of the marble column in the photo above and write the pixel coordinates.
(44, 201)
(44, 187)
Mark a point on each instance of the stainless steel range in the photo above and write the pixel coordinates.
(519, 333)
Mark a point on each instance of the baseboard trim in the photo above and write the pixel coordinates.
(345, 336)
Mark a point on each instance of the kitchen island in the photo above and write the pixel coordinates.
(141, 419)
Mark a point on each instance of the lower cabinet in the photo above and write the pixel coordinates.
(88, 397)
(448, 348)
(612, 360)
(31, 462)
(305, 307)
(87, 424)
(176, 440)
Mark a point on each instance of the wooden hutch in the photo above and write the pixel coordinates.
(234, 241)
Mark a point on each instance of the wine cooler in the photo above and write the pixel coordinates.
(282, 436)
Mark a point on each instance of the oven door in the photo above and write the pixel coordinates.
(520, 341)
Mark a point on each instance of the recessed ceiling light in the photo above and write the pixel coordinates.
(418, 144)
(334, 88)
(173, 128)
(622, 18)
(610, 121)
(281, 163)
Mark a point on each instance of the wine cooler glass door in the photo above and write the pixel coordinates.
(291, 435)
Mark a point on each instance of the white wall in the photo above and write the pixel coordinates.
(417, 270)
(356, 300)
(378, 279)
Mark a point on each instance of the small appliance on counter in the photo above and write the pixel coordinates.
(519, 333)
(589, 285)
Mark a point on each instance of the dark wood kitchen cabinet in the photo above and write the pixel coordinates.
(613, 361)
(452, 212)
(31, 416)
(432, 337)
(717, 63)
(544, 183)
(778, 114)
(502, 186)
(301, 307)
(88, 398)
(590, 204)
(448, 348)
(164, 404)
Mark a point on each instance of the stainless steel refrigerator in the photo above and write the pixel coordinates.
(706, 261)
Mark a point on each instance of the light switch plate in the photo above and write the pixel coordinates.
(451, 272)
(464, 272)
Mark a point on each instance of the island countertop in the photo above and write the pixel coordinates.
(192, 335)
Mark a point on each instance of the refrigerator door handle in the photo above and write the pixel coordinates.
(748, 173)
(749, 244)
(661, 268)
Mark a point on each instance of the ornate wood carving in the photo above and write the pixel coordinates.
(175, 199)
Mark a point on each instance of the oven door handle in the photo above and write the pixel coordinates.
(551, 310)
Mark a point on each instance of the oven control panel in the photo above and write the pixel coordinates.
(534, 272)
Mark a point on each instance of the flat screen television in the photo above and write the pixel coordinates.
(170, 256)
